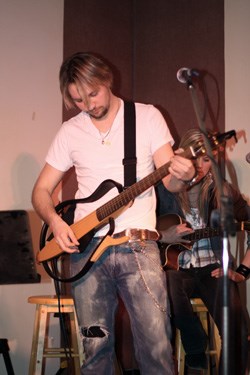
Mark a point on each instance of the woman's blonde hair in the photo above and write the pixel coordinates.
(192, 138)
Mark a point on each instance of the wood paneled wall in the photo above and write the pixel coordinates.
(148, 41)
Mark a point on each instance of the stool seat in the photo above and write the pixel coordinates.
(45, 305)
(51, 300)
(214, 340)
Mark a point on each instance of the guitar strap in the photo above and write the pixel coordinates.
(129, 163)
(129, 160)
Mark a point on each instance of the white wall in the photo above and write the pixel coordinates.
(31, 40)
(237, 88)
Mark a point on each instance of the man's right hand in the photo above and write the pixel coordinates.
(64, 235)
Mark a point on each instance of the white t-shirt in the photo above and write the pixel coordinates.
(78, 143)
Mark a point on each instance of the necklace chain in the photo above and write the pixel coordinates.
(103, 137)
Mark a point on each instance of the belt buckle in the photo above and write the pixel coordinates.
(137, 238)
(132, 234)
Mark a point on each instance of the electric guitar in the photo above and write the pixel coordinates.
(113, 208)
(170, 252)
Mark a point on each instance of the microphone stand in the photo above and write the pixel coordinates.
(225, 220)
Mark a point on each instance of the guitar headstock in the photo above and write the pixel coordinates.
(216, 140)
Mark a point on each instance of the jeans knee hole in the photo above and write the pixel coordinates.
(93, 331)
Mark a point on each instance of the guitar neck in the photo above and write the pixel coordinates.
(213, 232)
(138, 188)
(131, 192)
(198, 234)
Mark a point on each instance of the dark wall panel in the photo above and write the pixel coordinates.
(148, 41)
(177, 34)
(104, 27)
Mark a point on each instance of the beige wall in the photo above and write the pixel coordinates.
(31, 40)
(237, 82)
(237, 89)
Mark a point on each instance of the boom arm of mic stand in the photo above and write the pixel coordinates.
(203, 129)
(225, 229)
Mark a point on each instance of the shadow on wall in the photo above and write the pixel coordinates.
(23, 176)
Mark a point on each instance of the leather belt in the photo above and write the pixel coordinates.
(138, 234)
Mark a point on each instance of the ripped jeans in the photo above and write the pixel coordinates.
(134, 272)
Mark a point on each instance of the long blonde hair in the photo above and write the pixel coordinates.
(207, 187)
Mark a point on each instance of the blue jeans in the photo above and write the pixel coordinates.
(132, 270)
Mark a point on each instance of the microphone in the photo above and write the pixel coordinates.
(248, 157)
(184, 75)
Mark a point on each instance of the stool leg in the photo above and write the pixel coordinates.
(215, 341)
(180, 353)
(75, 346)
(76, 349)
(32, 364)
(78, 339)
(203, 316)
(36, 360)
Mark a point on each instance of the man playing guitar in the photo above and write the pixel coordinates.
(93, 143)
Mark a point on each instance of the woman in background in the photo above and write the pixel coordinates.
(199, 270)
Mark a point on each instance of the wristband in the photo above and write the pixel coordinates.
(193, 180)
(243, 270)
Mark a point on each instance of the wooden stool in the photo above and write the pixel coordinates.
(46, 305)
(213, 335)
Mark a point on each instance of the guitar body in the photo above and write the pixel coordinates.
(85, 228)
(170, 252)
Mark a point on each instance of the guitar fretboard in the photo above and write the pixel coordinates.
(139, 187)
(213, 232)
(131, 193)
(203, 233)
